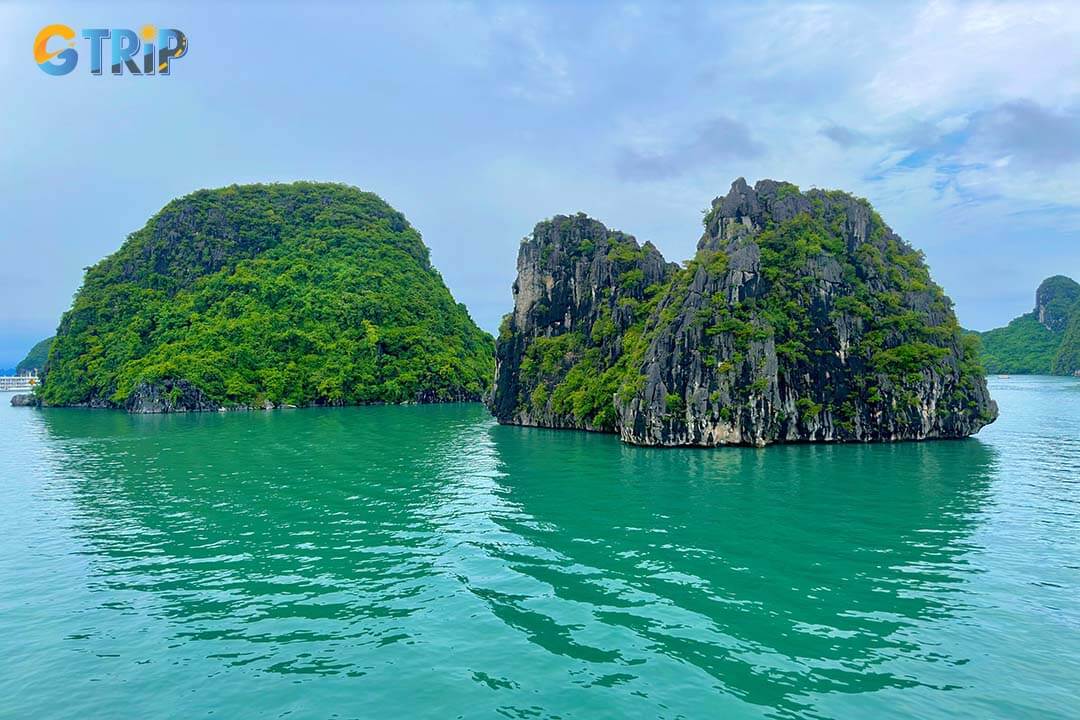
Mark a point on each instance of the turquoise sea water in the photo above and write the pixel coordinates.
(423, 562)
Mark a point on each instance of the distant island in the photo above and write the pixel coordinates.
(1045, 341)
(263, 296)
(801, 318)
(36, 358)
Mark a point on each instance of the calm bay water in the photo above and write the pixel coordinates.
(425, 562)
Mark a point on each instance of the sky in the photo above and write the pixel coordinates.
(960, 122)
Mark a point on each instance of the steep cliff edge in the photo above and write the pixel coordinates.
(802, 317)
(578, 302)
(1056, 302)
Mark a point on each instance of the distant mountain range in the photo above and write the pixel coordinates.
(1043, 341)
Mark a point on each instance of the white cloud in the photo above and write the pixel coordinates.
(960, 54)
(510, 41)
(503, 112)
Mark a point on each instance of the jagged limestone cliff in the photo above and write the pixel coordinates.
(577, 324)
(802, 317)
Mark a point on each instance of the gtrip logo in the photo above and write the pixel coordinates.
(147, 52)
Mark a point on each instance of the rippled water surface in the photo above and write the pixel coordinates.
(424, 562)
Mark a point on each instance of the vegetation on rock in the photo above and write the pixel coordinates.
(1067, 357)
(1024, 346)
(801, 317)
(1043, 341)
(608, 285)
(36, 358)
(303, 293)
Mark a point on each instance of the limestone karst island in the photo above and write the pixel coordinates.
(262, 296)
(801, 317)
(540, 360)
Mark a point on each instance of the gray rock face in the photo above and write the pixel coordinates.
(802, 318)
(25, 400)
(576, 280)
(1056, 300)
(168, 396)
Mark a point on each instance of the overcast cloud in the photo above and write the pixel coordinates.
(959, 121)
(719, 140)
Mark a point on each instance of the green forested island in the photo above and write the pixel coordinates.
(36, 358)
(1043, 341)
(264, 295)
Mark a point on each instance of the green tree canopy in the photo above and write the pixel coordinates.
(293, 293)
(35, 359)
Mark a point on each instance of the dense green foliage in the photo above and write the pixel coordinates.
(1039, 344)
(300, 293)
(1024, 346)
(35, 359)
(1067, 357)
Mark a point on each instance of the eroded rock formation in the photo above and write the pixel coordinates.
(802, 317)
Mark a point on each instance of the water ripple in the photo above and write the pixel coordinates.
(423, 561)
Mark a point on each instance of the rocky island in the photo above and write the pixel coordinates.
(801, 318)
(267, 295)
(1045, 341)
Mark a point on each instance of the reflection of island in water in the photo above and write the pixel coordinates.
(779, 572)
(386, 540)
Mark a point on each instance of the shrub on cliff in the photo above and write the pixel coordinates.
(802, 317)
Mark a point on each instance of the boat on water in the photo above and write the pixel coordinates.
(1003, 377)
(18, 383)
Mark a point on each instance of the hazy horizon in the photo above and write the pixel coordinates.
(477, 120)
